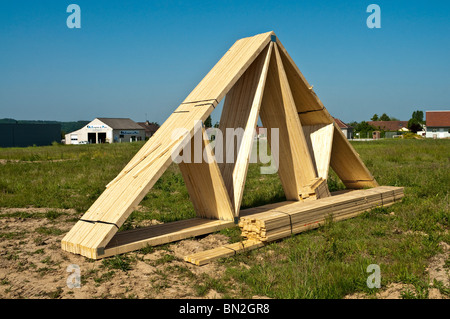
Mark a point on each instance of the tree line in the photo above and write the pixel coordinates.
(415, 123)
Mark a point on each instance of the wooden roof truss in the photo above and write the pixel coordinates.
(259, 79)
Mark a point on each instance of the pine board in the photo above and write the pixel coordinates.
(240, 111)
(155, 235)
(295, 166)
(205, 184)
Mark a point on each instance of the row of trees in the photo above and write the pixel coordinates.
(383, 117)
(208, 122)
(415, 123)
(363, 128)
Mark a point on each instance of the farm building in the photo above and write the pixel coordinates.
(107, 130)
(438, 124)
(150, 128)
(390, 126)
(23, 135)
(345, 128)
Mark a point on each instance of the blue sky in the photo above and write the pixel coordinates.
(140, 59)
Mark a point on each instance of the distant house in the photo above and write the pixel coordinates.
(107, 130)
(438, 124)
(345, 128)
(150, 128)
(390, 126)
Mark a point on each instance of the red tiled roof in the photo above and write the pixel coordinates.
(149, 127)
(341, 124)
(438, 118)
(389, 125)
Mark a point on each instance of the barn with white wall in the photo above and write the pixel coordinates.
(107, 130)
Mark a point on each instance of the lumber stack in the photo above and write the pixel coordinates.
(263, 224)
(318, 188)
(296, 217)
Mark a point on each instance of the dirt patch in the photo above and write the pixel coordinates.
(392, 291)
(187, 247)
(32, 264)
(145, 223)
(437, 270)
(6, 161)
(395, 291)
(31, 209)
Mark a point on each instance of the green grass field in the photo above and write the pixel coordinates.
(329, 262)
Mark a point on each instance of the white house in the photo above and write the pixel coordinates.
(107, 130)
(438, 124)
(345, 128)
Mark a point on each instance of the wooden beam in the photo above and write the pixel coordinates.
(347, 164)
(222, 77)
(278, 111)
(309, 107)
(130, 240)
(240, 111)
(344, 159)
(320, 140)
(207, 256)
(205, 184)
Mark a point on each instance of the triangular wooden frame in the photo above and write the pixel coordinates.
(259, 78)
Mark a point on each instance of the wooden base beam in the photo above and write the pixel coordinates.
(154, 235)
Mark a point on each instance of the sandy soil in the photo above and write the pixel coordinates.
(32, 265)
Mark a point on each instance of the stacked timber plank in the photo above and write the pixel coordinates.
(263, 224)
(296, 217)
(318, 188)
